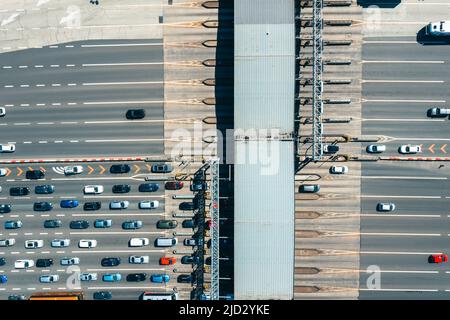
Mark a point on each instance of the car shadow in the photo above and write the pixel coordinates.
(425, 39)
(379, 3)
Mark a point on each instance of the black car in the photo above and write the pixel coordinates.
(44, 263)
(135, 114)
(188, 223)
(185, 278)
(148, 187)
(44, 189)
(52, 223)
(102, 295)
(119, 168)
(187, 206)
(89, 206)
(189, 259)
(110, 262)
(17, 297)
(5, 208)
(42, 206)
(19, 191)
(34, 174)
(79, 224)
(136, 277)
(121, 188)
(199, 186)
(2, 261)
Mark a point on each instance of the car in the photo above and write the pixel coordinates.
(374, 148)
(187, 206)
(189, 259)
(42, 206)
(167, 261)
(119, 168)
(138, 259)
(160, 278)
(190, 242)
(70, 261)
(385, 207)
(209, 223)
(52, 223)
(17, 297)
(34, 174)
(136, 277)
(166, 224)
(118, 205)
(438, 258)
(7, 148)
(71, 170)
(69, 203)
(49, 278)
(93, 189)
(23, 264)
(132, 224)
(34, 244)
(135, 114)
(13, 224)
(91, 206)
(19, 191)
(438, 112)
(5, 208)
(3, 278)
(162, 168)
(309, 188)
(7, 242)
(149, 204)
(339, 169)
(87, 243)
(44, 263)
(174, 185)
(189, 223)
(3, 172)
(185, 278)
(44, 189)
(60, 243)
(2, 261)
(330, 148)
(79, 224)
(438, 29)
(409, 149)
(88, 276)
(101, 223)
(138, 242)
(102, 295)
(148, 187)
(2, 112)
(112, 277)
(121, 188)
(198, 186)
(110, 262)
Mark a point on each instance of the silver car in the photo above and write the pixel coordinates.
(385, 207)
(60, 243)
(374, 148)
(70, 261)
(119, 205)
(88, 277)
(49, 278)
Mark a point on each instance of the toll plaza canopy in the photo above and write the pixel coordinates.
(264, 89)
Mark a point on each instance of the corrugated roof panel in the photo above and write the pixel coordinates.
(263, 11)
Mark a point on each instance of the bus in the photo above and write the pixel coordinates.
(159, 296)
(72, 295)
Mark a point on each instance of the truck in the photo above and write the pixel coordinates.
(440, 28)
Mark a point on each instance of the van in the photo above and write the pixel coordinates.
(166, 242)
(309, 188)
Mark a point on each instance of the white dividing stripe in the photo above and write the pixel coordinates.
(401, 290)
(402, 81)
(119, 251)
(402, 101)
(145, 287)
(121, 64)
(393, 215)
(120, 45)
(122, 121)
(404, 177)
(398, 253)
(400, 197)
(116, 232)
(404, 271)
(121, 83)
(399, 234)
(123, 140)
(406, 120)
(123, 102)
(405, 61)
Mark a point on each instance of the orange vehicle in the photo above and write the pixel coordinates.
(57, 296)
(165, 261)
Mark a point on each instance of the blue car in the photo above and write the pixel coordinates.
(3, 278)
(69, 203)
(112, 277)
(160, 278)
(13, 224)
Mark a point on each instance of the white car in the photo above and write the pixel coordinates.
(139, 259)
(147, 204)
(139, 242)
(93, 189)
(7, 148)
(87, 243)
(119, 204)
(409, 149)
(88, 276)
(60, 243)
(2, 112)
(23, 264)
(339, 169)
(385, 207)
(373, 148)
(73, 169)
(70, 261)
(7, 242)
(48, 278)
(3, 172)
(34, 244)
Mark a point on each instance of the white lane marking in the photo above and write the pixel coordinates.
(22, 123)
(145, 287)
(405, 61)
(72, 84)
(54, 66)
(42, 141)
(40, 85)
(58, 141)
(406, 120)
(124, 121)
(124, 102)
(56, 85)
(23, 67)
(123, 140)
(405, 271)
(406, 178)
(123, 196)
(43, 233)
(121, 64)
(39, 66)
(7, 67)
(402, 81)
(72, 104)
(45, 123)
(56, 104)
(119, 251)
(120, 45)
(398, 253)
(24, 104)
(74, 141)
(135, 269)
(121, 83)
(422, 139)
(402, 100)
(401, 290)
(388, 42)
(401, 215)
(116, 232)
(70, 65)
(400, 197)
(9, 86)
(40, 104)
(394, 234)
(69, 122)
(31, 288)
(28, 233)
(118, 214)
(90, 178)
(24, 85)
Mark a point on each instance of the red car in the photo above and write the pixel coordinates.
(165, 261)
(174, 185)
(208, 224)
(438, 258)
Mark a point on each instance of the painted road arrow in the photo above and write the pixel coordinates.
(103, 169)
(20, 171)
(90, 169)
(137, 168)
(149, 167)
(431, 148)
(8, 172)
(443, 148)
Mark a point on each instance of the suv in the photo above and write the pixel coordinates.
(189, 259)
(34, 174)
(189, 223)
(162, 168)
(93, 189)
(438, 112)
(90, 206)
(44, 189)
(42, 206)
(187, 206)
(119, 168)
(5, 208)
(121, 188)
(135, 114)
(44, 263)
(148, 187)
(79, 224)
(52, 223)
(185, 278)
(166, 224)
(133, 224)
(19, 191)
(136, 277)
